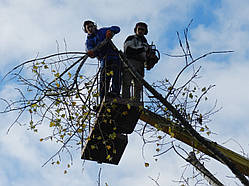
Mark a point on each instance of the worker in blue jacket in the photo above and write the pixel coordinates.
(110, 63)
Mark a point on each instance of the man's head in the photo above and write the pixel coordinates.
(141, 29)
(89, 27)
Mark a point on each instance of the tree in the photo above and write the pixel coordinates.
(57, 91)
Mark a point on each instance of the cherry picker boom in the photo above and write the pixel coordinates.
(238, 164)
(183, 135)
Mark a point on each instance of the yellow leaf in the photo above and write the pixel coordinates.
(35, 67)
(113, 135)
(114, 106)
(169, 130)
(52, 124)
(125, 113)
(34, 105)
(73, 103)
(108, 110)
(85, 113)
(128, 106)
(146, 164)
(83, 126)
(57, 84)
(96, 95)
(108, 157)
(170, 88)
(58, 162)
(111, 73)
(172, 135)
(57, 74)
(93, 147)
(191, 96)
(108, 147)
(202, 129)
(69, 74)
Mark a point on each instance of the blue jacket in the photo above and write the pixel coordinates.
(94, 39)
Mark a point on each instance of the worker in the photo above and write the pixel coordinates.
(110, 64)
(140, 55)
(135, 48)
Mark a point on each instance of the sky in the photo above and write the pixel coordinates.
(32, 27)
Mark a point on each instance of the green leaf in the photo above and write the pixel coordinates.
(57, 74)
(52, 124)
(146, 164)
(202, 129)
(203, 89)
(35, 67)
(191, 96)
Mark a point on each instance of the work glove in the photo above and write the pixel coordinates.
(90, 53)
(109, 34)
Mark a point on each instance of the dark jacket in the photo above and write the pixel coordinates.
(94, 39)
(135, 47)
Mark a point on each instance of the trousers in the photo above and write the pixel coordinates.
(110, 70)
(136, 89)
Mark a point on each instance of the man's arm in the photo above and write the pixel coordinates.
(114, 29)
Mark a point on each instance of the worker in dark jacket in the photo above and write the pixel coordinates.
(135, 48)
(110, 63)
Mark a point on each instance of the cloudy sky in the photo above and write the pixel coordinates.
(31, 27)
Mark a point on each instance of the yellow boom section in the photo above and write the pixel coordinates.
(182, 135)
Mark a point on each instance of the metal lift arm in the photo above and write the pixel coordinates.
(182, 135)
